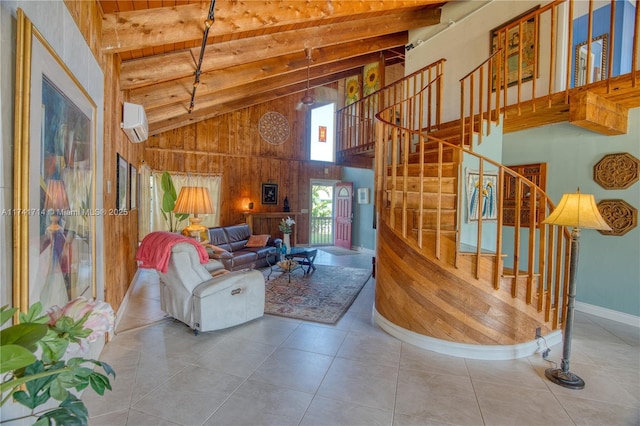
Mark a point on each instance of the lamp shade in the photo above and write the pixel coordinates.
(577, 210)
(56, 196)
(193, 199)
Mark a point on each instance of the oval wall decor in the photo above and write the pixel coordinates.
(619, 215)
(616, 171)
(274, 128)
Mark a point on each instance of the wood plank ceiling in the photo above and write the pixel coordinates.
(255, 49)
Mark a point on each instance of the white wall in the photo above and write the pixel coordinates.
(609, 268)
(57, 26)
(466, 44)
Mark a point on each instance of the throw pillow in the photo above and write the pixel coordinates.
(257, 241)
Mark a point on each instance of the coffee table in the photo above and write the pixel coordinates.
(273, 260)
(304, 256)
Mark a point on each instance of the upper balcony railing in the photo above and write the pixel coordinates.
(545, 56)
(356, 122)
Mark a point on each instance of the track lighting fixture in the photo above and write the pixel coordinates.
(196, 82)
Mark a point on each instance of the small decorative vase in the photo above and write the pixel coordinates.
(286, 240)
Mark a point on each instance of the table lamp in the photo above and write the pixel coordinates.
(579, 211)
(194, 200)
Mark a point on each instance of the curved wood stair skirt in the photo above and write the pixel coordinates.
(431, 304)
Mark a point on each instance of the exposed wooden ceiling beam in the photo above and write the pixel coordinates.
(176, 114)
(136, 73)
(140, 29)
(283, 67)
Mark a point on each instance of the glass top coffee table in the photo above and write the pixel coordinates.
(304, 256)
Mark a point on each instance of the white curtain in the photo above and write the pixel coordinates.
(144, 205)
(212, 183)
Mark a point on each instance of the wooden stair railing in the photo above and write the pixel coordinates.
(401, 200)
(419, 180)
(355, 123)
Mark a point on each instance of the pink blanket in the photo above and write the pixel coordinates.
(155, 250)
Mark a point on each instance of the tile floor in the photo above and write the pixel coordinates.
(278, 371)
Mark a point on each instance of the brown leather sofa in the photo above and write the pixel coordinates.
(228, 244)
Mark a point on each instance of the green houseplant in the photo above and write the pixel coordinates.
(36, 364)
(169, 198)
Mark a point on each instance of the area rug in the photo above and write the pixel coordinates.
(338, 251)
(323, 296)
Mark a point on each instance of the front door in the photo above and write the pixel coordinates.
(344, 214)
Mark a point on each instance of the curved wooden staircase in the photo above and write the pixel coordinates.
(450, 277)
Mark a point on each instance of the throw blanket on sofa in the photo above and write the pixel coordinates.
(155, 250)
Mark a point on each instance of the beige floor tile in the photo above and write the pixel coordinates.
(311, 338)
(138, 418)
(355, 382)
(592, 413)
(382, 349)
(233, 355)
(599, 386)
(269, 330)
(257, 404)
(294, 369)
(191, 397)
(117, 418)
(415, 358)
(503, 404)
(324, 411)
(404, 420)
(437, 397)
(505, 372)
(168, 376)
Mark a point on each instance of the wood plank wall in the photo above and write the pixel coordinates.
(230, 145)
(120, 231)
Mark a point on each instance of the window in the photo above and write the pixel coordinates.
(321, 135)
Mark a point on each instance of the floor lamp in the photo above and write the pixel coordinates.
(579, 211)
(194, 200)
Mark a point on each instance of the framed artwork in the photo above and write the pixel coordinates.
(54, 211)
(352, 90)
(269, 193)
(133, 187)
(322, 133)
(363, 195)
(122, 171)
(482, 196)
(598, 64)
(510, 40)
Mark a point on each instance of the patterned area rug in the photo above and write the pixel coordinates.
(323, 296)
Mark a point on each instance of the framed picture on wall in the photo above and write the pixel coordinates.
(133, 187)
(269, 193)
(519, 44)
(122, 171)
(55, 161)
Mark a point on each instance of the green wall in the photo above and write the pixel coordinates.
(609, 266)
(363, 234)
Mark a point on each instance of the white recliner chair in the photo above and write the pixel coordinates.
(208, 297)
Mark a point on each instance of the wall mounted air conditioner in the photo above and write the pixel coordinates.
(134, 122)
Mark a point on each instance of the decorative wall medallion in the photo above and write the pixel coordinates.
(274, 127)
(616, 171)
(619, 215)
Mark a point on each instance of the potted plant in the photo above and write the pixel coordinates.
(37, 362)
(169, 198)
(286, 226)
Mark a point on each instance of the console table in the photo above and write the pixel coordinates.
(267, 223)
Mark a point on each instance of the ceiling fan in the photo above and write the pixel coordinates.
(307, 99)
